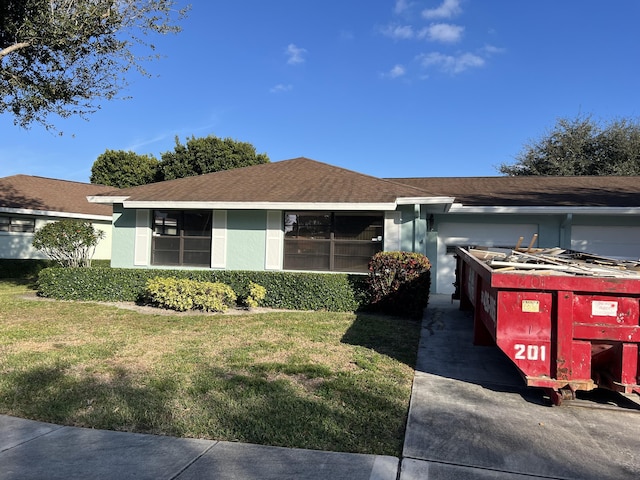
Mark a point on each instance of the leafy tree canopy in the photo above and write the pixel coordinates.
(63, 57)
(581, 146)
(121, 169)
(206, 155)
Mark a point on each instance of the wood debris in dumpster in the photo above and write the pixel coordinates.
(555, 261)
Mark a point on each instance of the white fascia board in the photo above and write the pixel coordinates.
(443, 203)
(47, 213)
(107, 200)
(459, 208)
(262, 206)
(424, 200)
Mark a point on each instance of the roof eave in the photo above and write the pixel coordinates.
(55, 213)
(545, 210)
(364, 206)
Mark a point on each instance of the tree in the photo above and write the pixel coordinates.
(71, 243)
(581, 146)
(63, 57)
(206, 155)
(121, 169)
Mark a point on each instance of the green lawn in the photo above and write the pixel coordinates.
(331, 381)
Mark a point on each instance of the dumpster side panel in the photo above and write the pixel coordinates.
(611, 325)
(524, 330)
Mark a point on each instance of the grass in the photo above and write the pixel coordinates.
(329, 381)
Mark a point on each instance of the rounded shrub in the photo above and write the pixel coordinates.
(399, 283)
(183, 294)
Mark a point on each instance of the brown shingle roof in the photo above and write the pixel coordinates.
(47, 194)
(601, 191)
(299, 180)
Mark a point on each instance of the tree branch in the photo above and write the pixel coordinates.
(13, 48)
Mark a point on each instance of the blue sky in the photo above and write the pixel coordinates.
(390, 88)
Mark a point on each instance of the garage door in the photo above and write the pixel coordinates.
(622, 242)
(481, 234)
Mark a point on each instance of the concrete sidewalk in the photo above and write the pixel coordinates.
(472, 418)
(35, 450)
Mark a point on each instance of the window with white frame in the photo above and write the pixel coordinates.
(181, 237)
(331, 241)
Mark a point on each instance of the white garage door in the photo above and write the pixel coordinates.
(480, 234)
(622, 242)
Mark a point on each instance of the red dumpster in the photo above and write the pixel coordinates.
(566, 324)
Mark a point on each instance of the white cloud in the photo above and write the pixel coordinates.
(280, 88)
(437, 32)
(399, 32)
(401, 6)
(492, 50)
(295, 54)
(451, 63)
(397, 71)
(443, 32)
(448, 9)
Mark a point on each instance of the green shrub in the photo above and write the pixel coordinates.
(288, 290)
(399, 283)
(183, 294)
(256, 295)
(69, 242)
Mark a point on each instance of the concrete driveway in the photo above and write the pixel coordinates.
(471, 417)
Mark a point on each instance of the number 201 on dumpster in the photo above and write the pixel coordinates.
(530, 352)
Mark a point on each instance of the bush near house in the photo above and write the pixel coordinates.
(399, 283)
(182, 294)
(69, 242)
(287, 290)
(29, 268)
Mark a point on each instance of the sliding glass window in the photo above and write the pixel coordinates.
(181, 238)
(331, 241)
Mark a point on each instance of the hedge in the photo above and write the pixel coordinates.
(29, 268)
(288, 290)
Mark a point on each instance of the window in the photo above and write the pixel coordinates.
(181, 238)
(328, 241)
(17, 224)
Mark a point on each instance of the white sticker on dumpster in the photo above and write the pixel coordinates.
(601, 308)
(531, 306)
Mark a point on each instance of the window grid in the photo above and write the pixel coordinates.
(17, 224)
(181, 238)
(329, 241)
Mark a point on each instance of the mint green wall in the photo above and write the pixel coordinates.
(246, 239)
(124, 234)
(413, 229)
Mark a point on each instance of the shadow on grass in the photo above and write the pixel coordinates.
(341, 412)
(394, 337)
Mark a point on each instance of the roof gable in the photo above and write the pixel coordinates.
(299, 180)
(25, 192)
